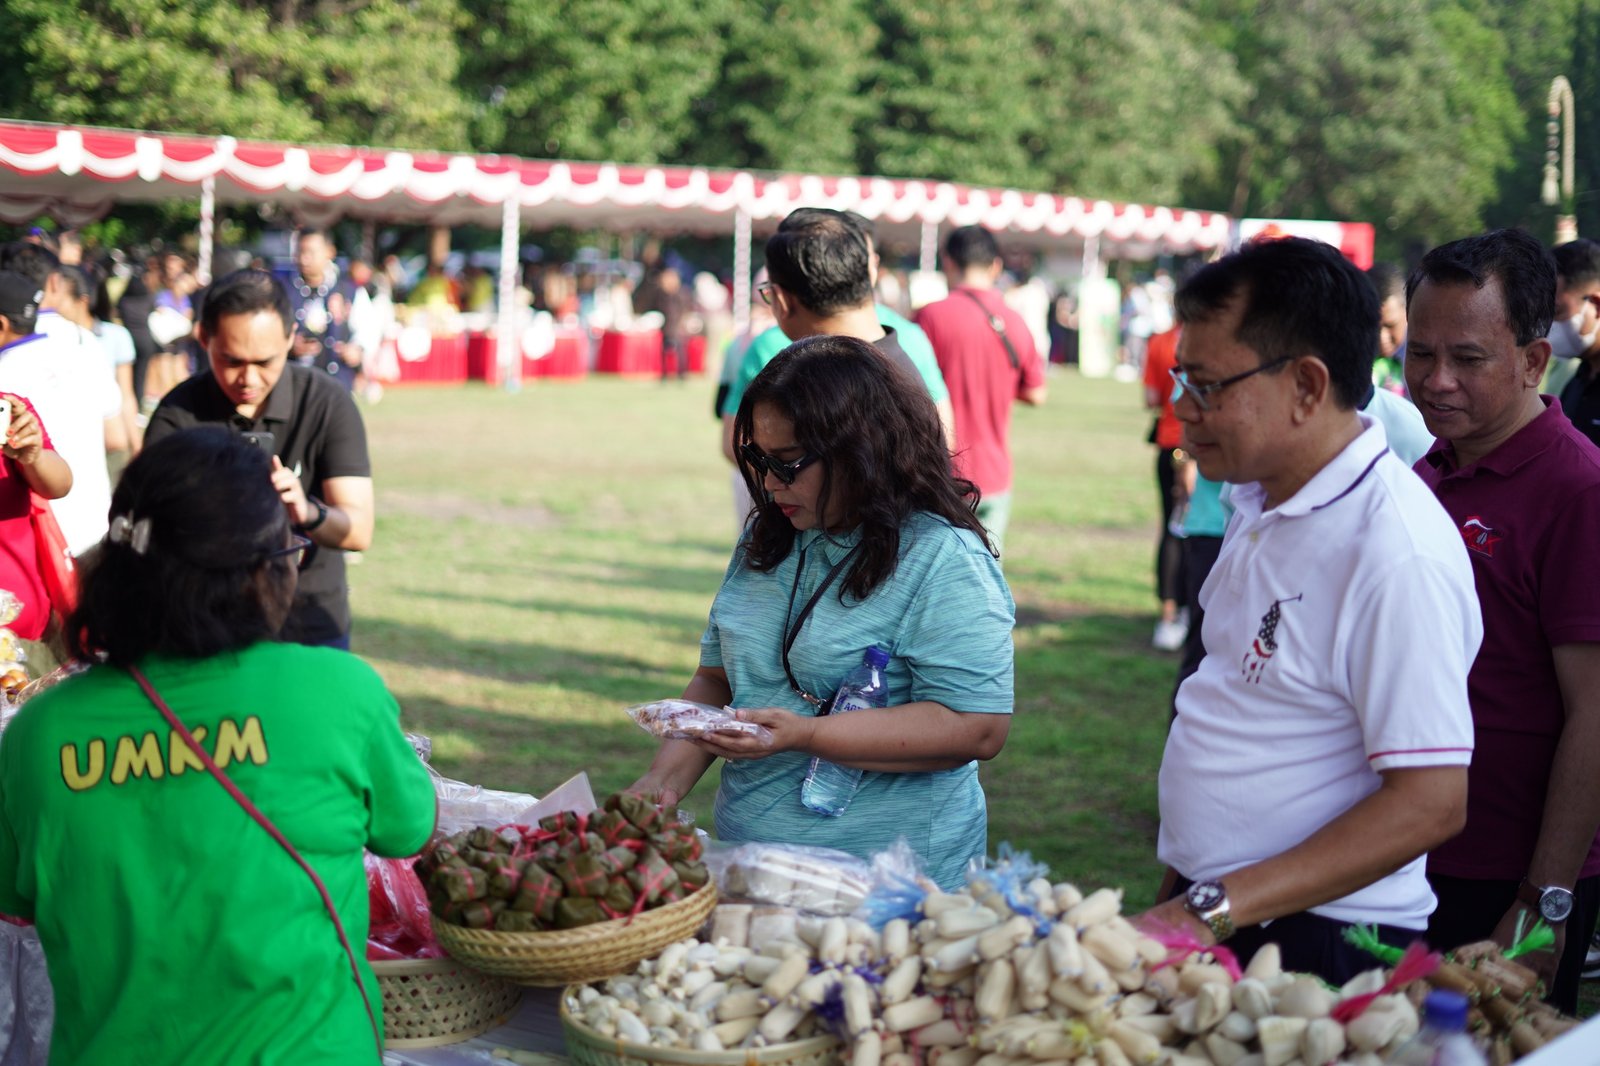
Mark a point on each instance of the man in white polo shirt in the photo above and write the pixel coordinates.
(1321, 748)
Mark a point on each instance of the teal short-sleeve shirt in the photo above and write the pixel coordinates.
(945, 617)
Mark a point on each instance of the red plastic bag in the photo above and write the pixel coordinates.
(399, 927)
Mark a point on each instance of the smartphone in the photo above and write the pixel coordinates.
(5, 420)
(262, 439)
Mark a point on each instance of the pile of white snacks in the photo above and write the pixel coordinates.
(1048, 975)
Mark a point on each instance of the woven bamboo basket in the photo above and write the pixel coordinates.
(585, 1047)
(433, 1002)
(577, 956)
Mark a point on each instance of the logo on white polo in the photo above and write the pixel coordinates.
(1479, 537)
(1265, 644)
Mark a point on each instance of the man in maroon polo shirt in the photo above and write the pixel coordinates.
(1523, 487)
(986, 354)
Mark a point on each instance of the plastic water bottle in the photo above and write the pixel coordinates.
(1443, 1039)
(828, 787)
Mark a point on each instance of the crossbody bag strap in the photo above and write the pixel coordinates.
(997, 324)
(265, 823)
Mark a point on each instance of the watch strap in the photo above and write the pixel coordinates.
(322, 515)
(1534, 896)
(1218, 917)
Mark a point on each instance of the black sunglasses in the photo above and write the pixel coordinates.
(303, 549)
(766, 464)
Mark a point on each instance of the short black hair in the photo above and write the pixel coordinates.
(1520, 262)
(821, 257)
(312, 231)
(1300, 297)
(33, 261)
(1578, 262)
(214, 520)
(867, 226)
(971, 246)
(245, 292)
(1389, 280)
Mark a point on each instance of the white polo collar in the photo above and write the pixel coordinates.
(1327, 486)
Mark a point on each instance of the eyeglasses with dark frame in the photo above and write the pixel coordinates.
(764, 290)
(766, 464)
(302, 549)
(1200, 393)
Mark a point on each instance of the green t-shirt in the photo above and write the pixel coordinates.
(174, 927)
(766, 346)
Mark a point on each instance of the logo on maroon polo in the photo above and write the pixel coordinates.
(1266, 643)
(1479, 537)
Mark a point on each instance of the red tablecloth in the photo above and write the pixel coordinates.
(629, 354)
(445, 363)
(569, 359)
(565, 361)
(639, 354)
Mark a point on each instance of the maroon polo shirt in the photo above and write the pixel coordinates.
(1530, 515)
(983, 385)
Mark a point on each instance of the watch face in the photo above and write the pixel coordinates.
(1555, 904)
(1205, 895)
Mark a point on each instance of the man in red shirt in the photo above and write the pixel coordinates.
(1160, 357)
(1523, 487)
(986, 354)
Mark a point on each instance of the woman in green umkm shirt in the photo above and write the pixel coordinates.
(176, 930)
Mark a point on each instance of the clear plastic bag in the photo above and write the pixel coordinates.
(463, 806)
(27, 1004)
(687, 720)
(813, 880)
(399, 927)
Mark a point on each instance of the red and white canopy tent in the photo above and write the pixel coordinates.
(77, 173)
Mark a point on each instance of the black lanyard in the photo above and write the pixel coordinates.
(793, 632)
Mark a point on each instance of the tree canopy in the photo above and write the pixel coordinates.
(1424, 117)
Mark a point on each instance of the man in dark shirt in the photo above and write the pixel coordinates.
(1523, 487)
(1575, 333)
(820, 266)
(307, 422)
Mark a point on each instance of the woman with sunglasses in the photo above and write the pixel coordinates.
(860, 536)
(176, 928)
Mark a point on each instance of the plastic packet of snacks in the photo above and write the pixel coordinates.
(687, 720)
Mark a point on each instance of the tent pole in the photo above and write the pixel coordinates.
(928, 261)
(508, 346)
(369, 242)
(208, 223)
(741, 272)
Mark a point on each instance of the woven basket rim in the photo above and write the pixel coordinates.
(560, 956)
(559, 938)
(408, 967)
(771, 1055)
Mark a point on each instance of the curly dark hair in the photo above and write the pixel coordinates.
(194, 592)
(878, 441)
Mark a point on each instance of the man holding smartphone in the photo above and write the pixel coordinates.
(307, 422)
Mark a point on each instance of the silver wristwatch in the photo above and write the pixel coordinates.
(1553, 902)
(1208, 901)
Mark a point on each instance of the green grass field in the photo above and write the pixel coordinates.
(545, 559)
